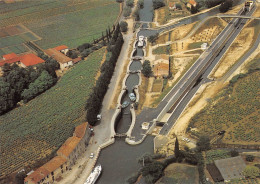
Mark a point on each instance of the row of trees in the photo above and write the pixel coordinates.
(18, 83)
(94, 102)
(158, 4)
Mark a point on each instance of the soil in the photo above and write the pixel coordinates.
(238, 48)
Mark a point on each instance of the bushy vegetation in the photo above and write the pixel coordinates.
(94, 102)
(123, 26)
(158, 4)
(19, 83)
(147, 69)
(38, 128)
(225, 6)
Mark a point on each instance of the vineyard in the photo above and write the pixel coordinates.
(67, 22)
(34, 130)
(235, 110)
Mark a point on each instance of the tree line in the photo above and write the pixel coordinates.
(23, 84)
(94, 102)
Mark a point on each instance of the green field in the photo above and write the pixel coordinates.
(37, 128)
(236, 110)
(66, 22)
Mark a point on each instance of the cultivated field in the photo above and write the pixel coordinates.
(34, 130)
(68, 22)
(236, 110)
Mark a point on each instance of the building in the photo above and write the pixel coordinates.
(62, 48)
(64, 61)
(65, 159)
(22, 60)
(191, 3)
(227, 169)
(204, 46)
(172, 5)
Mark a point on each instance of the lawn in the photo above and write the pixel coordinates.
(34, 130)
(67, 22)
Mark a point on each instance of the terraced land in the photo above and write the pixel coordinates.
(66, 22)
(34, 130)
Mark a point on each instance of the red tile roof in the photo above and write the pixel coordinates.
(193, 2)
(68, 146)
(9, 61)
(61, 47)
(61, 58)
(46, 169)
(9, 56)
(80, 130)
(171, 4)
(31, 59)
(76, 60)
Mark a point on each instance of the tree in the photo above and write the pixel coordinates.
(147, 69)
(193, 9)
(136, 14)
(152, 39)
(123, 26)
(41, 84)
(203, 143)
(127, 11)
(225, 6)
(7, 101)
(19, 177)
(130, 3)
(251, 171)
(250, 158)
(176, 148)
(158, 4)
(234, 153)
(140, 3)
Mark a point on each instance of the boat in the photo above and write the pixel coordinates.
(140, 41)
(125, 104)
(132, 97)
(92, 178)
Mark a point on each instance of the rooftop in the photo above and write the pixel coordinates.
(9, 61)
(9, 56)
(68, 146)
(171, 4)
(61, 47)
(80, 130)
(231, 168)
(193, 2)
(31, 59)
(61, 58)
(46, 169)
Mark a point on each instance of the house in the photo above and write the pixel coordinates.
(62, 48)
(22, 60)
(172, 5)
(30, 60)
(227, 169)
(60, 57)
(191, 3)
(65, 159)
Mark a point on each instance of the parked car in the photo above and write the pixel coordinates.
(91, 155)
(125, 104)
(99, 117)
(132, 97)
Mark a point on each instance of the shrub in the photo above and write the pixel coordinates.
(123, 26)
(147, 69)
(251, 172)
(225, 6)
(130, 3)
(140, 3)
(127, 11)
(250, 158)
(158, 4)
(234, 153)
(203, 143)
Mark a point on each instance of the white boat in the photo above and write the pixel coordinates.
(140, 41)
(94, 175)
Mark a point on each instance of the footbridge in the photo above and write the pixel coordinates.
(120, 135)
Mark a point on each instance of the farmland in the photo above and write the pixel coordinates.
(235, 109)
(34, 130)
(57, 22)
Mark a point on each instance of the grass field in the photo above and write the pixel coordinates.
(37, 128)
(68, 22)
(235, 110)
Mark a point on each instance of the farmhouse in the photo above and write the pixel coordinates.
(22, 60)
(65, 159)
(60, 57)
(191, 3)
(62, 48)
(227, 169)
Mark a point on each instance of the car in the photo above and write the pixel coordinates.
(99, 117)
(125, 104)
(91, 155)
(132, 97)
